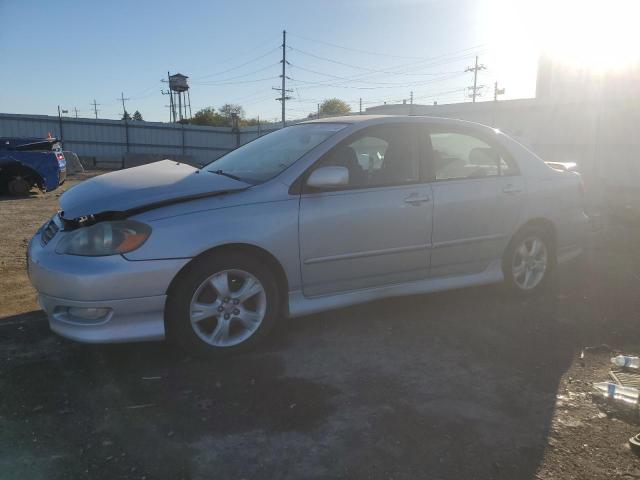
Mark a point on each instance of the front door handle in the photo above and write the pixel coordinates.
(511, 189)
(417, 199)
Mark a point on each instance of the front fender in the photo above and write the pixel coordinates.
(271, 226)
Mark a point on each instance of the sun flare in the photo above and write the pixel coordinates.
(596, 35)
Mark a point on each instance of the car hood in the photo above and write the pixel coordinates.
(157, 183)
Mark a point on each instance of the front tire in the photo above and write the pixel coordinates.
(529, 261)
(222, 304)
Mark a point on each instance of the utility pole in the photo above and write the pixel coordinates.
(126, 124)
(318, 112)
(497, 91)
(360, 105)
(75, 109)
(475, 87)
(60, 122)
(411, 103)
(283, 90)
(172, 105)
(95, 107)
(124, 108)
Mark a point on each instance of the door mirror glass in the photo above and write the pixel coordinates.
(328, 177)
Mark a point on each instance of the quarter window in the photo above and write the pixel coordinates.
(459, 155)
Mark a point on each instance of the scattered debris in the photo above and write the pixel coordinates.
(625, 361)
(602, 348)
(144, 405)
(628, 395)
(634, 443)
(151, 378)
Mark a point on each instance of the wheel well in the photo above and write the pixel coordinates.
(541, 223)
(255, 252)
(18, 170)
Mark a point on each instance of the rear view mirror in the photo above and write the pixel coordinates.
(329, 177)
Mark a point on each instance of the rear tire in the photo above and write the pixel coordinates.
(18, 186)
(529, 261)
(222, 304)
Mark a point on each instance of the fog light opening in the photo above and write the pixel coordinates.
(84, 314)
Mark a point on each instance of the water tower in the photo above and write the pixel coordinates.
(180, 98)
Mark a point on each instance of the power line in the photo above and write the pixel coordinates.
(341, 85)
(367, 69)
(368, 52)
(215, 82)
(244, 52)
(238, 66)
(364, 81)
(240, 82)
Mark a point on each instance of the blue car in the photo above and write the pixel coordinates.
(31, 162)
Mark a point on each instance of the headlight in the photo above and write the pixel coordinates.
(105, 238)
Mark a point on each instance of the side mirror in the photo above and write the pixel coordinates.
(328, 177)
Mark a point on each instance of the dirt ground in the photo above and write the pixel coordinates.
(468, 384)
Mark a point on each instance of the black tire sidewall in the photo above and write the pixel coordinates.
(507, 260)
(18, 187)
(177, 322)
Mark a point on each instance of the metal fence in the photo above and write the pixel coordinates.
(112, 140)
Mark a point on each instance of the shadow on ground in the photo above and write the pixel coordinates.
(454, 385)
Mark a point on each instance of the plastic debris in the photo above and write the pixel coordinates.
(626, 361)
(618, 392)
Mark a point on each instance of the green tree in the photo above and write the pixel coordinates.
(137, 116)
(209, 117)
(126, 116)
(334, 106)
(228, 108)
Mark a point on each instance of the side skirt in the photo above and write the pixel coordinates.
(301, 305)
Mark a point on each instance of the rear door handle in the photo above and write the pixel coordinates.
(511, 189)
(417, 199)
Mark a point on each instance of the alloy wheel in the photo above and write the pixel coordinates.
(530, 263)
(228, 307)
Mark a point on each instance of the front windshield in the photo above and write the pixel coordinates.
(267, 156)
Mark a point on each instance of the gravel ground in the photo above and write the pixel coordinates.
(457, 385)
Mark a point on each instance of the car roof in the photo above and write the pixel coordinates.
(363, 120)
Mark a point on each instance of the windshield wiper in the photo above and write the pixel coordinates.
(226, 174)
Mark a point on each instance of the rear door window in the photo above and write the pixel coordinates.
(459, 155)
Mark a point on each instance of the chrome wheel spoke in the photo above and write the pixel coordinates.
(527, 277)
(220, 334)
(540, 265)
(250, 320)
(519, 270)
(250, 288)
(220, 282)
(200, 311)
(536, 245)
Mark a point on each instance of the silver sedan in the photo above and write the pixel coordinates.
(312, 217)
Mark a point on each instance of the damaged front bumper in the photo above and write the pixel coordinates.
(100, 299)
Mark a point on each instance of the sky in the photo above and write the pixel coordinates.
(71, 52)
